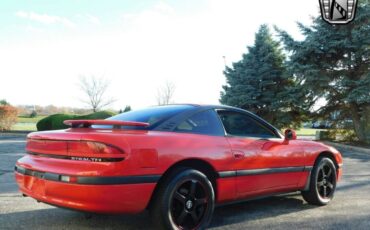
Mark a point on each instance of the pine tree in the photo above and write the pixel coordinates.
(258, 82)
(127, 109)
(333, 62)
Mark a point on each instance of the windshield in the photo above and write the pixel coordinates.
(152, 115)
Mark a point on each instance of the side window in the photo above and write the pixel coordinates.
(205, 122)
(238, 124)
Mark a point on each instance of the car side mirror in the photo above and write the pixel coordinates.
(290, 134)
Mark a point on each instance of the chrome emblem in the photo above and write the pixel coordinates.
(189, 204)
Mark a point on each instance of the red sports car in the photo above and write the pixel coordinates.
(178, 161)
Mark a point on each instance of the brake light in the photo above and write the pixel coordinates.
(75, 150)
(90, 147)
(46, 146)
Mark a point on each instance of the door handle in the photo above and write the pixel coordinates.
(238, 154)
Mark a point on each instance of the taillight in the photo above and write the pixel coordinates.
(75, 150)
(46, 146)
(90, 147)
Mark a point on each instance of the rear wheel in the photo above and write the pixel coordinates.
(323, 182)
(184, 201)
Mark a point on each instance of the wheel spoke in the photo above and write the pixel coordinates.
(178, 196)
(180, 219)
(329, 173)
(193, 186)
(323, 172)
(194, 217)
(320, 183)
(189, 202)
(200, 201)
(324, 191)
(330, 185)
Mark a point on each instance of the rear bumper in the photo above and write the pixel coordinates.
(93, 194)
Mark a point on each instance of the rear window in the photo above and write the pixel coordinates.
(152, 115)
(205, 122)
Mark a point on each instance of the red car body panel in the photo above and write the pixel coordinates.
(90, 198)
(247, 167)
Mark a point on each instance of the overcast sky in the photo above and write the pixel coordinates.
(138, 45)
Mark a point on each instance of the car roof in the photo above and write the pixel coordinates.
(208, 106)
(202, 107)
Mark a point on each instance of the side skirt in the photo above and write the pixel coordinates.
(293, 192)
(263, 171)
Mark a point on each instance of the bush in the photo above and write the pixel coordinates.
(324, 135)
(8, 117)
(346, 135)
(33, 114)
(96, 115)
(4, 102)
(55, 121)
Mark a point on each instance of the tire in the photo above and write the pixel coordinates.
(323, 181)
(184, 201)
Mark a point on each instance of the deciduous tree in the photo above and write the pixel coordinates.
(95, 90)
(8, 117)
(165, 93)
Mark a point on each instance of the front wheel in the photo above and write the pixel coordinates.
(184, 201)
(323, 182)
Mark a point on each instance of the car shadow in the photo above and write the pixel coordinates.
(57, 218)
(259, 209)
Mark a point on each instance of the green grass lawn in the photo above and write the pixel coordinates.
(27, 123)
(307, 131)
(21, 126)
(25, 119)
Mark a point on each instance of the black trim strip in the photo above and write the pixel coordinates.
(226, 174)
(78, 158)
(251, 172)
(308, 168)
(118, 180)
(268, 171)
(90, 180)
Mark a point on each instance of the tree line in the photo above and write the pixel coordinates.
(288, 81)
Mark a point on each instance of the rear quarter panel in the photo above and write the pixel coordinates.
(174, 147)
(150, 152)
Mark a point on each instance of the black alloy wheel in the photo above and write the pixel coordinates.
(186, 201)
(188, 204)
(323, 181)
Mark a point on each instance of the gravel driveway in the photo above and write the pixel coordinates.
(349, 210)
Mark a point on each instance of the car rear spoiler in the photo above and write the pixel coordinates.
(116, 124)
